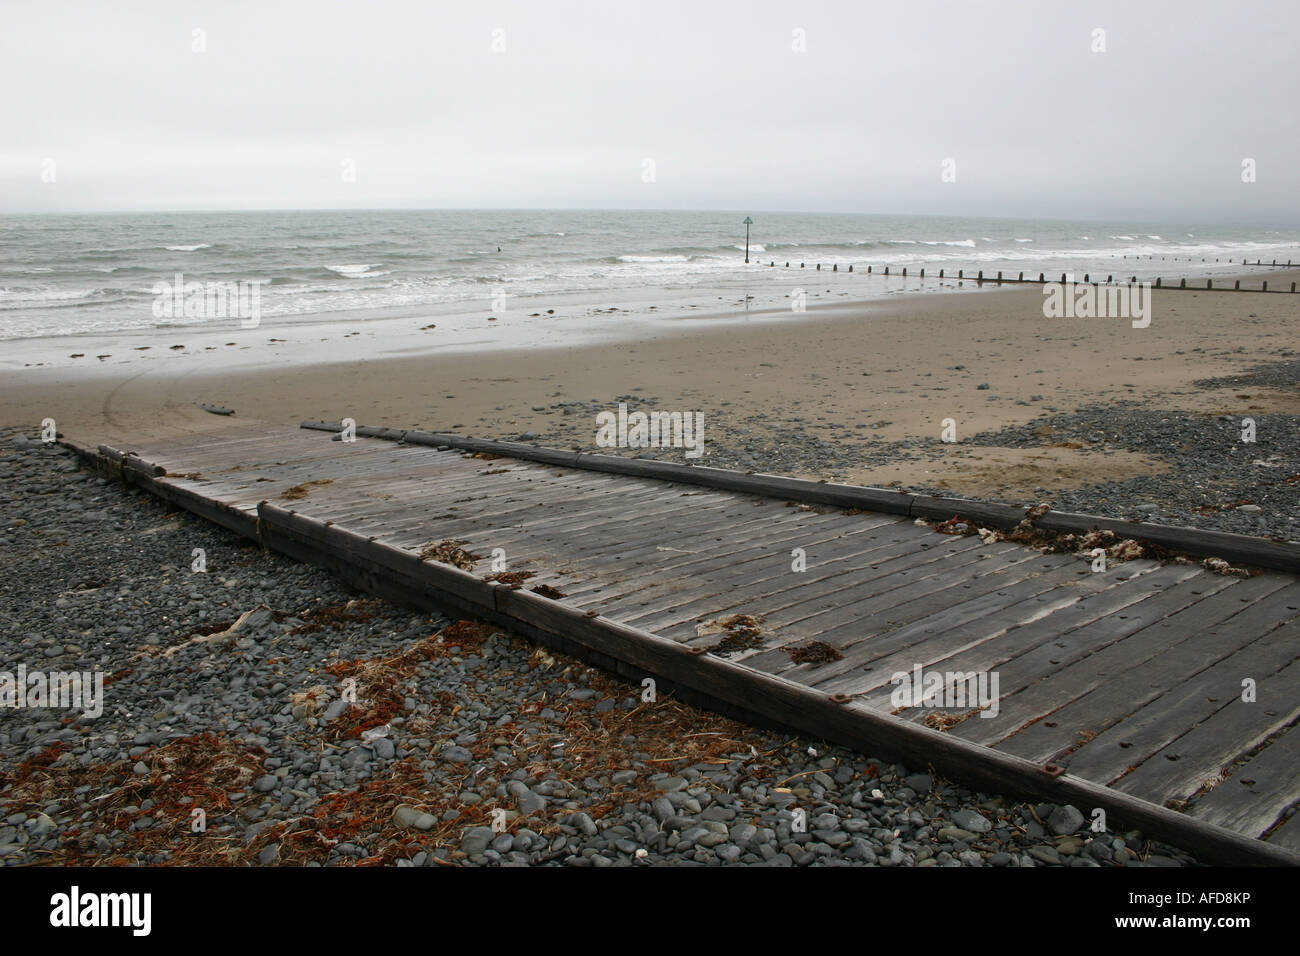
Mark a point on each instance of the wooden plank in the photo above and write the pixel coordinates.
(762, 570)
(1287, 836)
(1095, 662)
(1176, 706)
(968, 622)
(785, 598)
(1141, 678)
(763, 557)
(940, 586)
(1255, 796)
(537, 527)
(961, 650)
(1179, 769)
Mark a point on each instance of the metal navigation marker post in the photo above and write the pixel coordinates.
(748, 222)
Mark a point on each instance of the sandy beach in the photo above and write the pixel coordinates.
(874, 379)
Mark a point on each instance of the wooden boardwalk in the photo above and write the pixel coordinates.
(1120, 689)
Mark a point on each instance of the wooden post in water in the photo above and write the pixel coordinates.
(1236, 286)
(835, 267)
(1209, 283)
(1022, 277)
(886, 270)
(748, 222)
(1157, 282)
(904, 272)
(1182, 283)
(940, 273)
(922, 273)
(1265, 288)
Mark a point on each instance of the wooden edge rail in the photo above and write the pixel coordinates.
(1239, 548)
(113, 463)
(400, 574)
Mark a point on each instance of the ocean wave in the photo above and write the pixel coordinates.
(358, 270)
(1024, 240)
(194, 248)
(672, 258)
(1126, 238)
(963, 243)
(753, 247)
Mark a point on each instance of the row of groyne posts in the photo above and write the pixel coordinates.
(1065, 277)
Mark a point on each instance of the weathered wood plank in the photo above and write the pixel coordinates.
(1180, 768)
(1254, 797)
(1170, 706)
(1123, 650)
(969, 622)
(1141, 679)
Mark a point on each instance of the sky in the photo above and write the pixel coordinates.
(799, 105)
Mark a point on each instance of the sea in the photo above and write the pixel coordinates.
(67, 274)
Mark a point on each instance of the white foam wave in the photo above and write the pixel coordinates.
(358, 270)
(654, 258)
(194, 248)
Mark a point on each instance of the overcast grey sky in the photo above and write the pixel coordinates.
(429, 114)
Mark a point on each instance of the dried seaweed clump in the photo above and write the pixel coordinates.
(332, 616)
(1117, 549)
(943, 721)
(1050, 542)
(512, 578)
(1220, 566)
(814, 652)
(301, 491)
(743, 633)
(449, 552)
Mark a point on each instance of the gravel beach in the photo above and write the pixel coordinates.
(227, 738)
